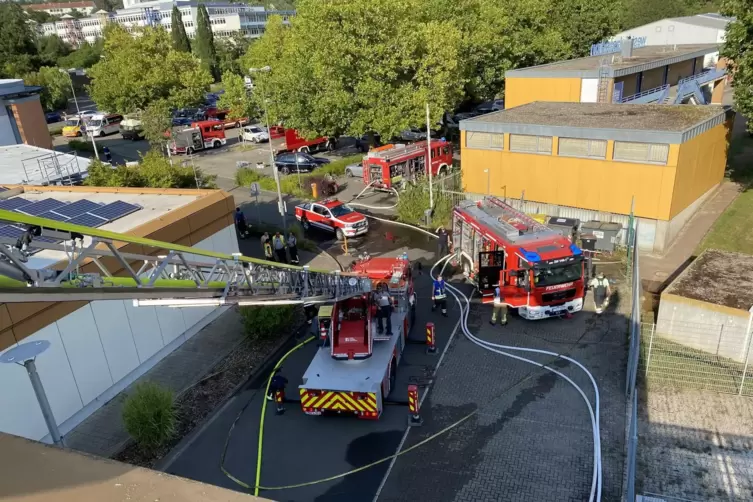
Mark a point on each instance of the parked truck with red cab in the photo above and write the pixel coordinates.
(394, 165)
(293, 142)
(355, 367)
(200, 136)
(539, 272)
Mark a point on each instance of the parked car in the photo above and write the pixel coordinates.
(354, 170)
(362, 143)
(415, 134)
(491, 106)
(332, 215)
(287, 163)
(52, 117)
(255, 134)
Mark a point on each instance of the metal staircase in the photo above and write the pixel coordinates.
(605, 81)
(690, 88)
(176, 278)
(656, 95)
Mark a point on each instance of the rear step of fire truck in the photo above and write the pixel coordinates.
(355, 367)
(96, 266)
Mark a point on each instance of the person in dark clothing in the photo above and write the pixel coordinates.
(240, 223)
(384, 303)
(108, 155)
(442, 242)
(293, 248)
(278, 244)
(278, 383)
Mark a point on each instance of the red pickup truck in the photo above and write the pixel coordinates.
(332, 215)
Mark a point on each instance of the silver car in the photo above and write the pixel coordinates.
(354, 170)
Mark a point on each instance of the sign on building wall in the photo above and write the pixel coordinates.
(615, 46)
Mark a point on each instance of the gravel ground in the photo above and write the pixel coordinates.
(197, 403)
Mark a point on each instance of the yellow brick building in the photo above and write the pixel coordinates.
(593, 160)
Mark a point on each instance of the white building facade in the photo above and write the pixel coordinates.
(60, 9)
(227, 19)
(690, 30)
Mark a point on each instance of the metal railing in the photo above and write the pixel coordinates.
(53, 169)
(698, 356)
(632, 366)
(657, 94)
(705, 76)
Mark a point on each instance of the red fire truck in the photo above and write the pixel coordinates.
(355, 368)
(288, 140)
(539, 271)
(391, 166)
(200, 136)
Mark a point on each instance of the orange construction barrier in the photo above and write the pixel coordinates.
(414, 417)
(431, 347)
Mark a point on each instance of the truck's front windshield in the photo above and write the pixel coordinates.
(549, 276)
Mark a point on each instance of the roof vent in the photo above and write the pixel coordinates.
(626, 48)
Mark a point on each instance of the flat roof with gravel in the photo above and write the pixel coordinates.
(625, 122)
(643, 59)
(719, 277)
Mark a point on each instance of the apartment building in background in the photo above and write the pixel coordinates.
(227, 19)
(61, 9)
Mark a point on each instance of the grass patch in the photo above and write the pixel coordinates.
(731, 232)
(78, 145)
(293, 184)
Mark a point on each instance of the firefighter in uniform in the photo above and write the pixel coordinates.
(601, 292)
(384, 304)
(439, 296)
(278, 383)
(278, 242)
(499, 308)
(240, 223)
(267, 245)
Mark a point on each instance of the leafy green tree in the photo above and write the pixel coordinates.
(86, 56)
(586, 22)
(229, 53)
(56, 88)
(51, 49)
(236, 97)
(138, 71)
(40, 17)
(155, 122)
(18, 53)
(77, 14)
(204, 45)
(738, 48)
(153, 171)
(350, 66)
(178, 32)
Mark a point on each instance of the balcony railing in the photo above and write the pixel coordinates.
(710, 75)
(655, 95)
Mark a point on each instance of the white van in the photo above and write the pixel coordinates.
(102, 125)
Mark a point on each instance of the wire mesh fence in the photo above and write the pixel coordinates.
(699, 356)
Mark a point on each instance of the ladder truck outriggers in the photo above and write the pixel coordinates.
(354, 369)
(539, 272)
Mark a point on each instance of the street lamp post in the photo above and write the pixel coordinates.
(78, 110)
(25, 355)
(280, 205)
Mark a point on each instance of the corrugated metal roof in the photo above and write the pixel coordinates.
(716, 21)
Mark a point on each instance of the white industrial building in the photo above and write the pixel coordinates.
(227, 19)
(60, 9)
(98, 348)
(690, 30)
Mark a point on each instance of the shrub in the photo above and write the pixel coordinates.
(56, 131)
(415, 200)
(262, 322)
(79, 145)
(149, 415)
(153, 171)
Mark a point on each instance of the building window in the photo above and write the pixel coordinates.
(484, 140)
(585, 148)
(530, 144)
(644, 153)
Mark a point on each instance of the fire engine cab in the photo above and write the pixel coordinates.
(392, 166)
(539, 271)
(200, 136)
(355, 367)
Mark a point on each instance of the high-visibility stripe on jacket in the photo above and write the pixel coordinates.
(439, 293)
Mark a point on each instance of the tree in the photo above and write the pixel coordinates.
(229, 53)
(40, 16)
(178, 32)
(738, 48)
(51, 49)
(153, 170)
(236, 97)
(56, 88)
(17, 49)
(155, 122)
(86, 56)
(586, 22)
(359, 66)
(205, 42)
(77, 14)
(138, 71)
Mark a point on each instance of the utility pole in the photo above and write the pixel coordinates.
(428, 157)
(280, 203)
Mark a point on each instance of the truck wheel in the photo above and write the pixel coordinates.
(331, 146)
(339, 235)
(305, 223)
(189, 150)
(348, 173)
(216, 144)
(78, 134)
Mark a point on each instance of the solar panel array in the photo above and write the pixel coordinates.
(82, 212)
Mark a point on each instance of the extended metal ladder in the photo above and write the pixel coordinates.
(174, 278)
